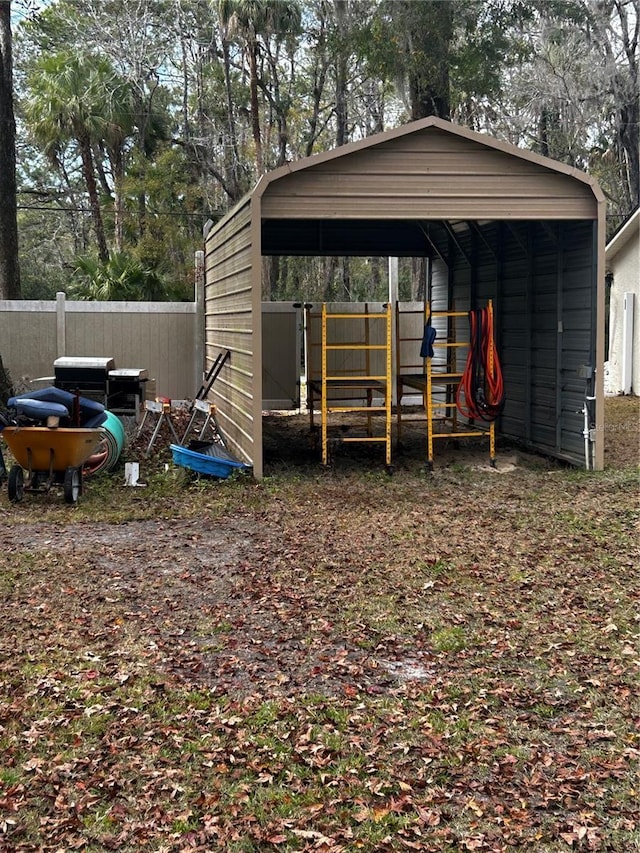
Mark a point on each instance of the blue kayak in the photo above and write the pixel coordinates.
(51, 401)
(38, 410)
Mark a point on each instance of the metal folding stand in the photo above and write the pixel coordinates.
(160, 406)
(208, 410)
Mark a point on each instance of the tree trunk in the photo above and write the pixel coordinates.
(418, 279)
(341, 76)
(92, 190)
(118, 201)
(430, 33)
(346, 279)
(376, 278)
(329, 268)
(629, 109)
(234, 167)
(319, 76)
(270, 274)
(6, 385)
(9, 266)
(255, 107)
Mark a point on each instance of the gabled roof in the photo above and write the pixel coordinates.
(274, 184)
(416, 126)
(629, 229)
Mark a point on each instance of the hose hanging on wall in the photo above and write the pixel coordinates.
(480, 394)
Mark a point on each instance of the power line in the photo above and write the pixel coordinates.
(87, 210)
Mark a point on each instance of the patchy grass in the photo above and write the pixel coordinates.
(325, 661)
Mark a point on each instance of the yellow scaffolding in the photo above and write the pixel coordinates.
(438, 381)
(348, 383)
(410, 367)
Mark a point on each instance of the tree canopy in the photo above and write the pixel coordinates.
(139, 120)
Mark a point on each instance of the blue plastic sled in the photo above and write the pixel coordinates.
(209, 458)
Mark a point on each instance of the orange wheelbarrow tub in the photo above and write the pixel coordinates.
(48, 456)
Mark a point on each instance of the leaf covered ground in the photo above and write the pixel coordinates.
(327, 661)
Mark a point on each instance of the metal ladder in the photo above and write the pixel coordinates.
(358, 382)
(448, 381)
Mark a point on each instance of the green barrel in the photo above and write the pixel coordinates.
(110, 448)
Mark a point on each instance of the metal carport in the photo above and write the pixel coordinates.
(496, 221)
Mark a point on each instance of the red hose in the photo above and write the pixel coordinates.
(480, 394)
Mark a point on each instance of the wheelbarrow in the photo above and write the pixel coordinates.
(48, 457)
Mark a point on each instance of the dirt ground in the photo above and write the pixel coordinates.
(326, 660)
(289, 441)
(201, 589)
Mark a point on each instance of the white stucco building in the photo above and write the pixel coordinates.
(623, 272)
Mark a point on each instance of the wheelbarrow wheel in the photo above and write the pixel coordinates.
(15, 484)
(72, 485)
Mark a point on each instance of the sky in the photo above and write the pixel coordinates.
(20, 9)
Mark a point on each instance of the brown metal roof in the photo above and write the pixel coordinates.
(429, 169)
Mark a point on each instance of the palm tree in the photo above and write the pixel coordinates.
(120, 278)
(119, 128)
(251, 19)
(71, 100)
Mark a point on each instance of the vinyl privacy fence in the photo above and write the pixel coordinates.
(161, 337)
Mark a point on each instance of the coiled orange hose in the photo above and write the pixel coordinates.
(480, 394)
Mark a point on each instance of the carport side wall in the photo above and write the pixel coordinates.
(541, 278)
(231, 302)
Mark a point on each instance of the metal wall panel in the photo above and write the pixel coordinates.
(229, 325)
(541, 280)
(577, 314)
(424, 206)
(429, 174)
(547, 328)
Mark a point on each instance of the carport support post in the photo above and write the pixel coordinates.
(61, 325)
(393, 298)
(200, 366)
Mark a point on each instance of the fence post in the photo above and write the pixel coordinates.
(61, 325)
